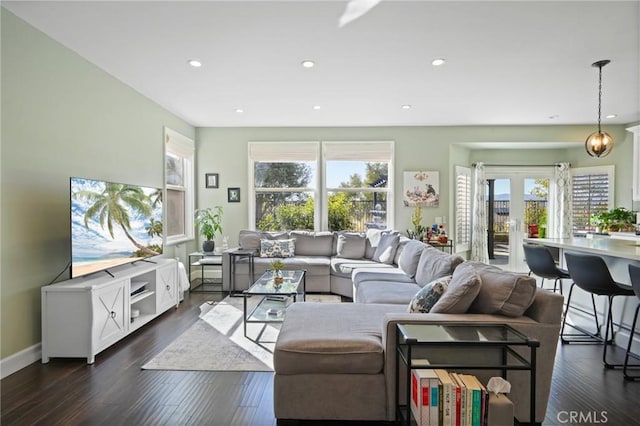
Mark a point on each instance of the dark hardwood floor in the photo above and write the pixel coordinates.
(116, 391)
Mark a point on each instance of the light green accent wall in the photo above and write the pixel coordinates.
(62, 117)
(224, 150)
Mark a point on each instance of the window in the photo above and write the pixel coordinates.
(356, 186)
(289, 193)
(591, 192)
(463, 209)
(284, 180)
(179, 206)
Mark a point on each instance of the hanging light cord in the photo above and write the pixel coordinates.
(599, 96)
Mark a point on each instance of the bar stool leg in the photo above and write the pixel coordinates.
(627, 376)
(586, 336)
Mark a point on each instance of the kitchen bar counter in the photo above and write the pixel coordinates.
(617, 253)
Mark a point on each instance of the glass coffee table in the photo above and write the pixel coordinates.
(274, 299)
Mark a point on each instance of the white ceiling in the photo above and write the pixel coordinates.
(508, 62)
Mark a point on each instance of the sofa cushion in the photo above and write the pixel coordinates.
(351, 245)
(386, 249)
(344, 267)
(347, 342)
(502, 292)
(434, 264)
(313, 265)
(277, 248)
(410, 257)
(401, 244)
(428, 295)
(313, 243)
(395, 293)
(462, 290)
(250, 240)
(379, 274)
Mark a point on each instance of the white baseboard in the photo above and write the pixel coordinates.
(20, 360)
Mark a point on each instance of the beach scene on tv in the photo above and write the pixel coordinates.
(113, 224)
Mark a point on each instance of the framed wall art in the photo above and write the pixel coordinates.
(421, 189)
(233, 195)
(211, 180)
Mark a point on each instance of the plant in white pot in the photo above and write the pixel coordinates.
(209, 223)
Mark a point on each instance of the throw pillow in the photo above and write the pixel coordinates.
(428, 295)
(461, 292)
(410, 257)
(277, 248)
(434, 264)
(351, 245)
(502, 292)
(386, 250)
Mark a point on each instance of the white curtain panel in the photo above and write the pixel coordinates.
(479, 249)
(561, 210)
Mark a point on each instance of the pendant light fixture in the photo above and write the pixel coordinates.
(599, 144)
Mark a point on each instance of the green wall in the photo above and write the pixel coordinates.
(224, 151)
(61, 117)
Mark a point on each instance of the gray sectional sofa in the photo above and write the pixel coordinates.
(328, 257)
(337, 361)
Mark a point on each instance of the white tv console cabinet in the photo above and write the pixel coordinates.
(83, 316)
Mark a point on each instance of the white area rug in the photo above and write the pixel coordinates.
(216, 341)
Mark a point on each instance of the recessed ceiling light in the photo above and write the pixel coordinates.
(308, 64)
(554, 116)
(406, 106)
(611, 116)
(195, 63)
(239, 110)
(316, 107)
(437, 62)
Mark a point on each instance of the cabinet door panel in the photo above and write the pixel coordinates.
(109, 315)
(166, 287)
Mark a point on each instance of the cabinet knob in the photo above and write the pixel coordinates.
(113, 314)
(168, 287)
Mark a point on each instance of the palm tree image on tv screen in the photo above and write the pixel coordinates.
(113, 224)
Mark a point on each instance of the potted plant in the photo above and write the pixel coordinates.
(277, 266)
(618, 219)
(209, 223)
(416, 220)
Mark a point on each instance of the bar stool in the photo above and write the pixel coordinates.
(592, 275)
(542, 264)
(634, 274)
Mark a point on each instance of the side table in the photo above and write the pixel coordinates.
(204, 260)
(497, 337)
(234, 256)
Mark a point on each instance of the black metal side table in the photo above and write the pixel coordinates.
(204, 260)
(500, 337)
(234, 256)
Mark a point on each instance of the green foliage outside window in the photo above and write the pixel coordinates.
(288, 217)
(340, 212)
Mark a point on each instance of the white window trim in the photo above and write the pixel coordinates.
(181, 145)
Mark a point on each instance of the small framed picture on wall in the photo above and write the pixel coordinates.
(211, 180)
(233, 195)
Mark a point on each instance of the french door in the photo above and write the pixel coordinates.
(517, 208)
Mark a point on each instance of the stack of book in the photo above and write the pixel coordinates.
(441, 398)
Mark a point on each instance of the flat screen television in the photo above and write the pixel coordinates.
(113, 224)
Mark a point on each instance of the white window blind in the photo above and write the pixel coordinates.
(283, 151)
(592, 191)
(463, 208)
(375, 152)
